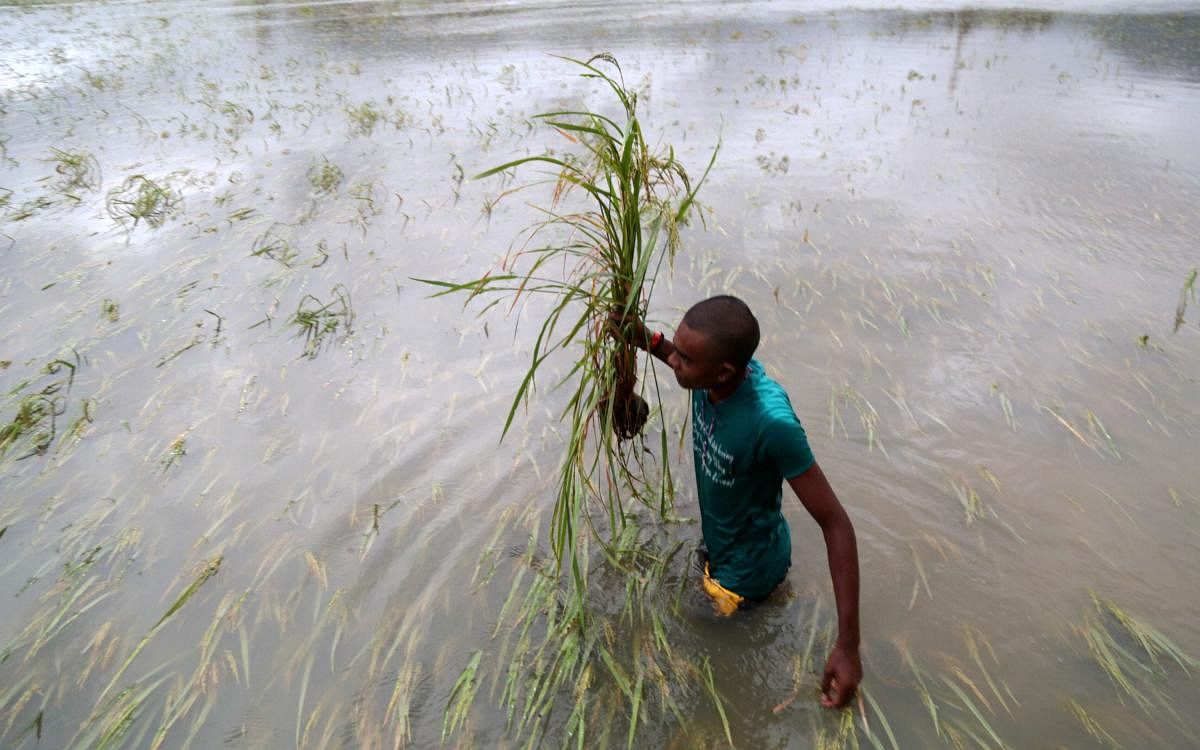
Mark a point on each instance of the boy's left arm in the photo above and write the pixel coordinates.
(843, 670)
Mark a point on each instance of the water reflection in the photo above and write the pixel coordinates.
(964, 231)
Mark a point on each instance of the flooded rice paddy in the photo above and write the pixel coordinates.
(251, 489)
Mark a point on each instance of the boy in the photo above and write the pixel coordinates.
(746, 441)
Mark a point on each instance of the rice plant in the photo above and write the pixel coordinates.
(35, 423)
(1138, 660)
(142, 199)
(76, 171)
(318, 322)
(324, 176)
(594, 255)
(272, 244)
(1188, 292)
(611, 245)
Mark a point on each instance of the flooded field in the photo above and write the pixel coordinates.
(252, 492)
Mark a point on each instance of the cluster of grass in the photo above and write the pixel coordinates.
(366, 206)
(33, 427)
(364, 117)
(1188, 292)
(140, 198)
(271, 244)
(598, 249)
(959, 705)
(77, 171)
(324, 176)
(319, 322)
(592, 670)
(1134, 656)
(367, 116)
(239, 118)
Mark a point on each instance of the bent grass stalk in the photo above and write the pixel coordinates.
(1188, 292)
(209, 569)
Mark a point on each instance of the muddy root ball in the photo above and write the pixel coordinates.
(630, 416)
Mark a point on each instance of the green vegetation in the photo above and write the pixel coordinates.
(318, 322)
(77, 171)
(363, 118)
(324, 176)
(612, 223)
(35, 424)
(612, 243)
(142, 199)
(1187, 293)
(270, 244)
(1133, 654)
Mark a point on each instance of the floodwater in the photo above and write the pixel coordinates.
(965, 233)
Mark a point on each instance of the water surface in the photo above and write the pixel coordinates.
(964, 232)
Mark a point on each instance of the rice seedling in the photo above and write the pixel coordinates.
(33, 424)
(364, 117)
(868, 417)
(883, 722)
(802, 666)
(365, 205)
(461, 697)
(28, 208)
(112, 719)
(1188, 292)
(272, 244)
(324, 176)
(239, 118)
(76, 171)
(1091, 725)
(142, 199)
(1154, 644)
(110, 309)
(318, 322)
(920, 580)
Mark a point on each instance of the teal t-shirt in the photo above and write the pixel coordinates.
(744, 448)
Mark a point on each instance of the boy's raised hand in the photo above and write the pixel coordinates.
(628, 328)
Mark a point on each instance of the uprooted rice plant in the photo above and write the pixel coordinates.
(598, 248)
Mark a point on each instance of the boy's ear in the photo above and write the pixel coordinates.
(726, 372)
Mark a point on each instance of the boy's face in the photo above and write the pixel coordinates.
(696, 362)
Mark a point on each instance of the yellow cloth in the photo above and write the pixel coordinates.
(725, 602)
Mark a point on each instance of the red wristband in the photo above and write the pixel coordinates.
(655, 339)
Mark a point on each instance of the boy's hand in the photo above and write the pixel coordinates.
(628, 328)
(843, 672)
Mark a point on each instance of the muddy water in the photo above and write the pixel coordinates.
(965, 235)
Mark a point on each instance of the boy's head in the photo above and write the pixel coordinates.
(714, 342)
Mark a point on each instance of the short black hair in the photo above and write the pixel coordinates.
(728, 323)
